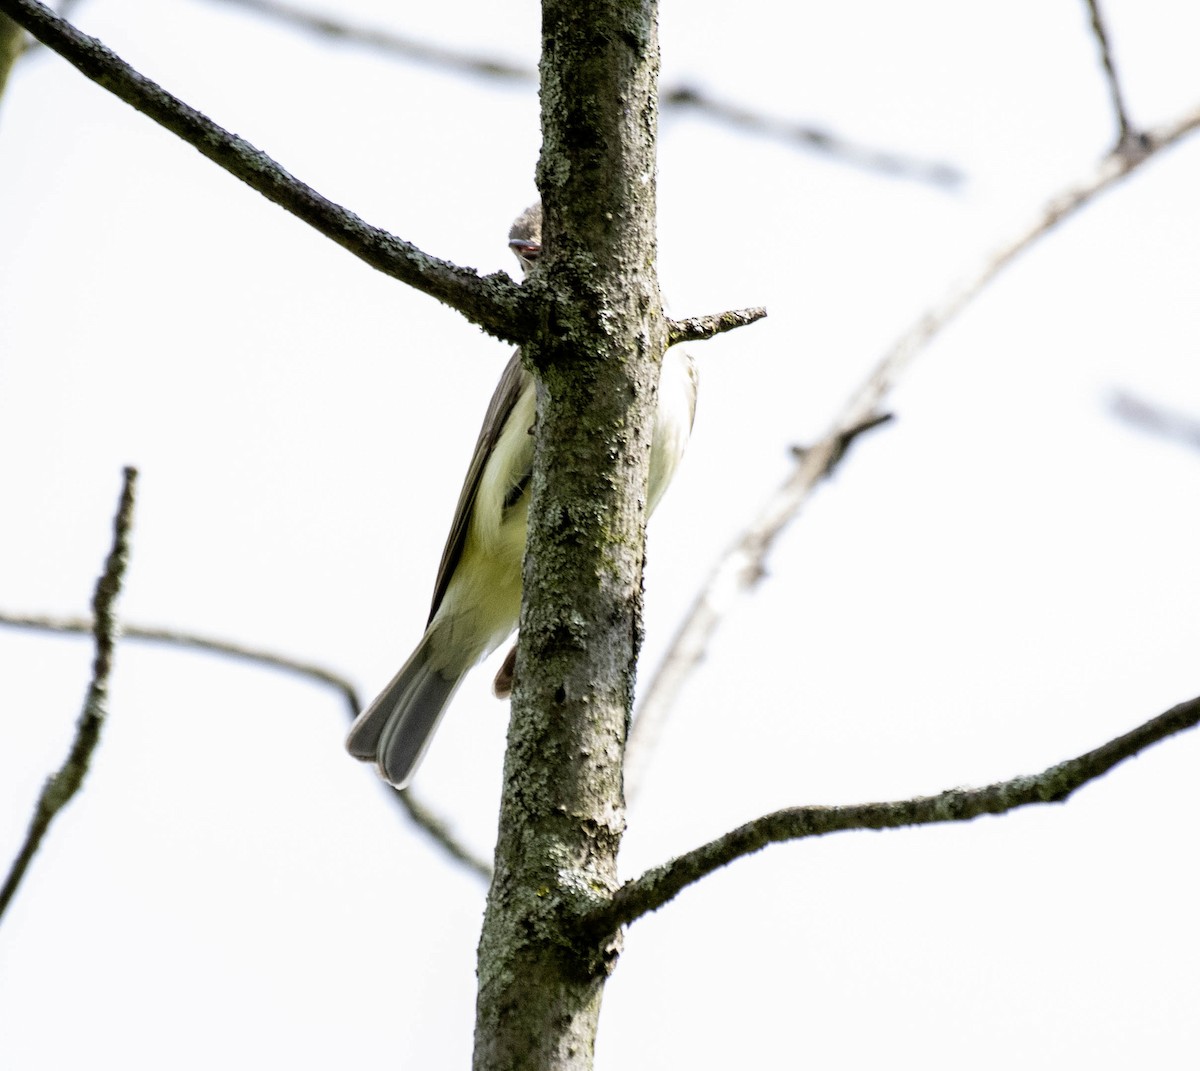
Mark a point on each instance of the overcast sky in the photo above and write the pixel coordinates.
(1004, 577)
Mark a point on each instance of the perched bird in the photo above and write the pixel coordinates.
(477, 597)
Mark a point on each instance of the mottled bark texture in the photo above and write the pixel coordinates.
(541, 975)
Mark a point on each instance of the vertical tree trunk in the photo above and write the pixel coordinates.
(541, 975)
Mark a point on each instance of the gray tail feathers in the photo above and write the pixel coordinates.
(394, 731)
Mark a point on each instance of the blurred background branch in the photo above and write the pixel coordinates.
(886, 163)
(1171, 424)
(338, 31)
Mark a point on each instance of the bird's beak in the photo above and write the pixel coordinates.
(527, 251)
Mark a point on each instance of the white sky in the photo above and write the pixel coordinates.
(1002, 579)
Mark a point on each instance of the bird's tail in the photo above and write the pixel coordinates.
(394, 731)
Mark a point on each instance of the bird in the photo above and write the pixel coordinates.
(477, 595)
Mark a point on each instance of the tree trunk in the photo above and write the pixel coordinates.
(541, 973)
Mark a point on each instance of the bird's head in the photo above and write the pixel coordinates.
(525, 237)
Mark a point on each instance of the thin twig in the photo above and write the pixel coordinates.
(437, 828)
(741, 566)
(1170, 424)
(699, 328)
(61, 786)
(1128, 140)
(494, 301)
(656, 887)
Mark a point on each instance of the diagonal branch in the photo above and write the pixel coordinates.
(741, 566)
(494, 301)
(1054, 785)
(437, 828)
(61, 786)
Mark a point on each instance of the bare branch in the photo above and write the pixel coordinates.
(1128, 140)
(894, 165)
(392, 43)
(742, 565)
(699, 328)
(437, 828)
(1157, 420)
(1054, 785)
(61, 786)
(494, 301)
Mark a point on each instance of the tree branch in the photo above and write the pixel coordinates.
(1183, 428)
(494, 301)
(1054, 785)
(61, 786)
(437, 828)
(1128, 140)
(741, 566)
(699, 328)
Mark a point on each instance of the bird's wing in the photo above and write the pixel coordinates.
(508, 390)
